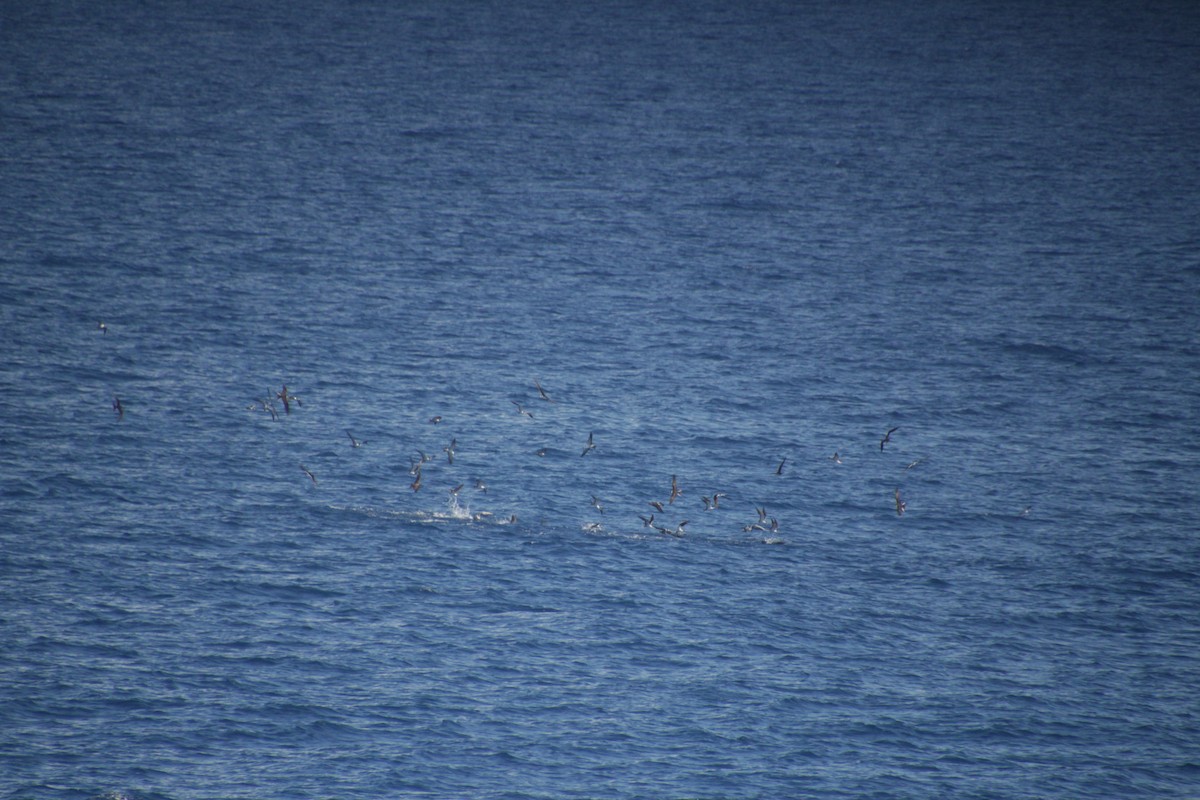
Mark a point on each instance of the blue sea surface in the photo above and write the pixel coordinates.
(735, 245)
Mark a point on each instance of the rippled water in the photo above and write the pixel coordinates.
(729, 243)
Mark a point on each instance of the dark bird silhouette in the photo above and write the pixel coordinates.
(657, 506)
(779, 469)
(285, 398)
(901, 506)
(675, 490)
(590, 446)
(311, 477)
(835, 458)
(354, 442)
(542, 392)
(435, 420)
(118, 409)
(449, 450)
(887, 437)
(521, 409)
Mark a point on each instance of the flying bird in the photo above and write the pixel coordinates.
(887, 437)
(901, 506)
(596, 503)
(677, 532)
(779, 469)
(521, 409)
(311, 477)
(542, 392)
(102, 328)
(118, 409)
(675, 491)
(354, 442)
(835, 458)
(268, 404)
(286, 399)
(435, 420)
(590, 446)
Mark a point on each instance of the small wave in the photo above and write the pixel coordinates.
(1052, 352)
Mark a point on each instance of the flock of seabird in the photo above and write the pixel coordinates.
(764, 524)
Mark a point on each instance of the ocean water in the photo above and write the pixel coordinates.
(729, 242)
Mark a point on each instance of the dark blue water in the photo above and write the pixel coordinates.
(729, 241)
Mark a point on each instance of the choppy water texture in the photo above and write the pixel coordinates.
(729, 241)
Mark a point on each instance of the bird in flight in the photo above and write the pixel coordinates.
(542, 392)
(779, 469)
(118, 409)
(713, 502)
(901, 506)
(677, 532)
(835, 458)
(590, 446)
(354, 442)
(521, 409)
(675, 490)
(268, 405)
(286, 398)
(311, 477)
(887, 437)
